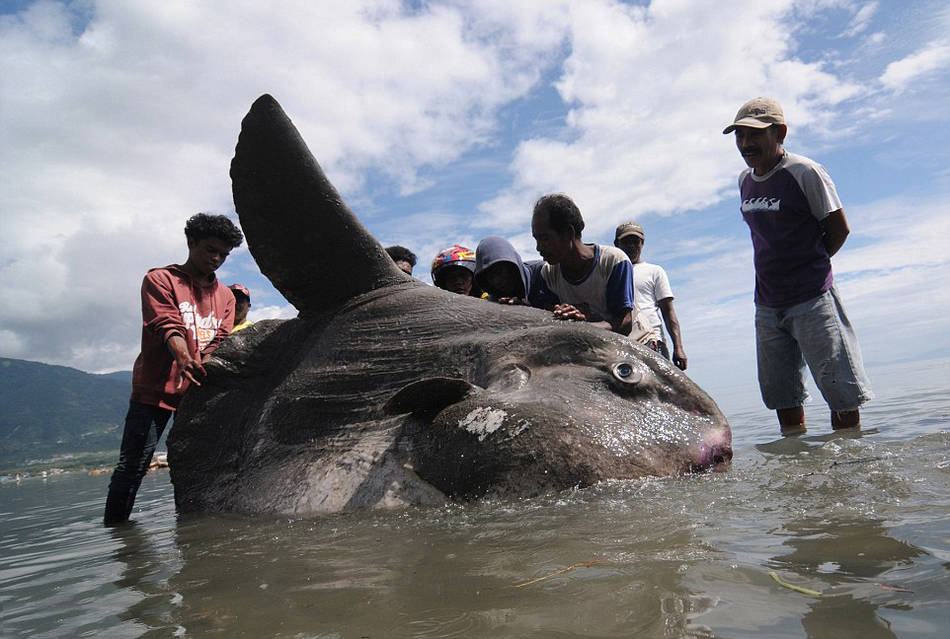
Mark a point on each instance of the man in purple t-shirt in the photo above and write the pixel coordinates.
(797, 225)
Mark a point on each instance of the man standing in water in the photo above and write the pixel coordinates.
(797, 225)
(186, 313)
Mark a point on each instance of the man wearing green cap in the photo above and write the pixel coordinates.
(797, 225)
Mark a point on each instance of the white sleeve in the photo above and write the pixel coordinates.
(661, 285)
(820, 191)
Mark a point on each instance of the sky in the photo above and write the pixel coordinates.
(443, 122)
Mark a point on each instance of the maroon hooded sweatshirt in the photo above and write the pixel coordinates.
(175, 303)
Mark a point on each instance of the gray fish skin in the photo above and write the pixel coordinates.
(386, 392)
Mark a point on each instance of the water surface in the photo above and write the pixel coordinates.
(863, 520)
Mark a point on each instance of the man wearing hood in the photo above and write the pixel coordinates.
(186, 313)
(500, 272)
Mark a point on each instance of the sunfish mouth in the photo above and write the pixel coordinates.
(713, 453)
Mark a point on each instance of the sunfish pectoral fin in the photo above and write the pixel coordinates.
(301, 234)
(429, 395)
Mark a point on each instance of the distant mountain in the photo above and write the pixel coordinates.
(54, 410)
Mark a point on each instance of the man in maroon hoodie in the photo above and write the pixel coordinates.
(186, 313)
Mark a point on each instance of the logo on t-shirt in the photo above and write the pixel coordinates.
(754, 204)
(203, 329)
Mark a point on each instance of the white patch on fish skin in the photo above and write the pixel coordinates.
(522, 426)
(483, 421)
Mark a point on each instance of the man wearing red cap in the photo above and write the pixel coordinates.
(242, 304)
(797, 225)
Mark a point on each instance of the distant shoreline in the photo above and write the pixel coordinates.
(93, 463)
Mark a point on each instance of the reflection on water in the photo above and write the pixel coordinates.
(852, 556)
(444, 573)
(144, 571)
(864, 519)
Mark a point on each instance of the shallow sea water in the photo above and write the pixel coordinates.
(864, 520)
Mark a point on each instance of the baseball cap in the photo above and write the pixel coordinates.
(758, 113)
(629, 228)
(239, 288)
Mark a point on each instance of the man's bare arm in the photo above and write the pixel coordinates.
(836, 231)
(673, 328)
(623, 324)
(189, 367)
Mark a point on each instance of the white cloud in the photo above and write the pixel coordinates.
(650, 88)
(119, 124)
(898, 75)
(119, 121)
(897, 233)
(897, 255)
(861, 19)
(285, 311)
(11, 344)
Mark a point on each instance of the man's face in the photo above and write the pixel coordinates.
(760, 148)
(632, 245)
(241, 307)
(552, 246)
(457, 279)
(404, 266)
(502, 279)
(208, 254)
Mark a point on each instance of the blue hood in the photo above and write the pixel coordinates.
(494, 249)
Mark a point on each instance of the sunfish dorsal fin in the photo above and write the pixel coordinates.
(301, 234)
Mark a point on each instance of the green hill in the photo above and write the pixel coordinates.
(48, 411)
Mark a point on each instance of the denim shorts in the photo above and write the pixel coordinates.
(816, 332)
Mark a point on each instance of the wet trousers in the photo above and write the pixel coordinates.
(144, 425)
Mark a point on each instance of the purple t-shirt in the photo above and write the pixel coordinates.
(783, 209)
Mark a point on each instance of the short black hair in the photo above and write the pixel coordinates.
(401, 254)
(562, 213)
(202, 225)
(239, 295)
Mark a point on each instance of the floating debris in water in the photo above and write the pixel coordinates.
(863, 460)
(801, 589)
(893, 588)
(584, 564)
(856, 461)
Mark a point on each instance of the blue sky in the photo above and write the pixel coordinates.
(442, 122)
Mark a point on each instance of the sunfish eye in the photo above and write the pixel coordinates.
(625, 372)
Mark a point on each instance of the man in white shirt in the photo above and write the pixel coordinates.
(653, 293)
